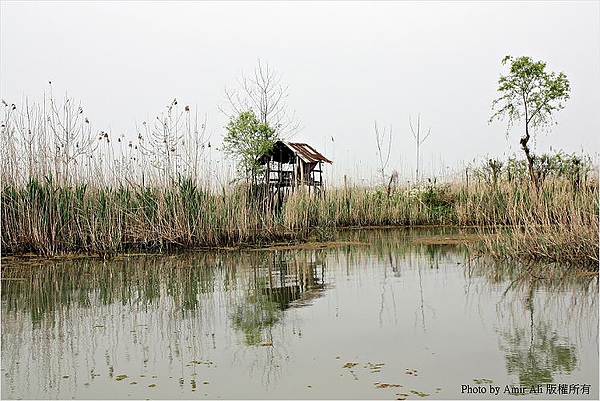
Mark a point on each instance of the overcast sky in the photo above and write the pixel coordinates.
(346, 65)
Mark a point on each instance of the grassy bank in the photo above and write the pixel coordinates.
(557, 222)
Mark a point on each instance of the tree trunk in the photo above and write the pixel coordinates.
(524, 140)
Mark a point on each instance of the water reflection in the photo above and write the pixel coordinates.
(536, 355)
(297, 323)
(279, 281)
(538, 304)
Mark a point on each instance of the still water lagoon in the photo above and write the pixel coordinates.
(381, 314)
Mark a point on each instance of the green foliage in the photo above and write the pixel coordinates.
(257, 314)
(248, 139)
(490, 171)
(559, 165)
(532, 95)
(529, 93)
(538, 355)
(439, 202)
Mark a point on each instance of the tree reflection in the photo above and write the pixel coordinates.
(535, 350)
(280, 280)
(255, 314)
(535, 357)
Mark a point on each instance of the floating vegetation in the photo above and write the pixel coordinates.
(206, 382)
(195, 362)
(133, 382)
(121, 377)
(482, 381)
(266, 344)
(386, 385)
(374, 367)
(455, 239)
(349, 366)
(65, 376)
(151, 385)
(419, 393)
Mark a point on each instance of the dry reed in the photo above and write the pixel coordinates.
(65, 193)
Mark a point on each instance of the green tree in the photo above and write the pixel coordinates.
(529, 94)
(247, 139)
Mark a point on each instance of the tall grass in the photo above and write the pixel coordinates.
(65, 189)
(557, 223)
(554, 224)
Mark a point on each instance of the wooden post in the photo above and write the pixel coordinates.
(320, 177)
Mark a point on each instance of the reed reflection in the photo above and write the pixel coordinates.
(88, 328)
(70, 324)
(92, 320)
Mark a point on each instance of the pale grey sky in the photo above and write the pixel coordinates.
(346, 64)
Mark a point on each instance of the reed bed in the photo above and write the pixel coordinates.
(556, 222)
(66, 189)
(49, 219)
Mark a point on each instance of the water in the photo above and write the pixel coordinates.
(378, 317)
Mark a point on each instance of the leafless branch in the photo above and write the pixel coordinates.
(418, 140)
(382, 148)
(264, 94)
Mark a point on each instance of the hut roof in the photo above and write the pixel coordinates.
(284, 152)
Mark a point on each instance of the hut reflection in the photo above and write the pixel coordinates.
(280, 280)
(295, 279)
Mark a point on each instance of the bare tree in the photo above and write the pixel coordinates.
(264, 95)
(383, 149)
(418, 140)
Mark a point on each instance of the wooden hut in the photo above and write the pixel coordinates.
(291, 164)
